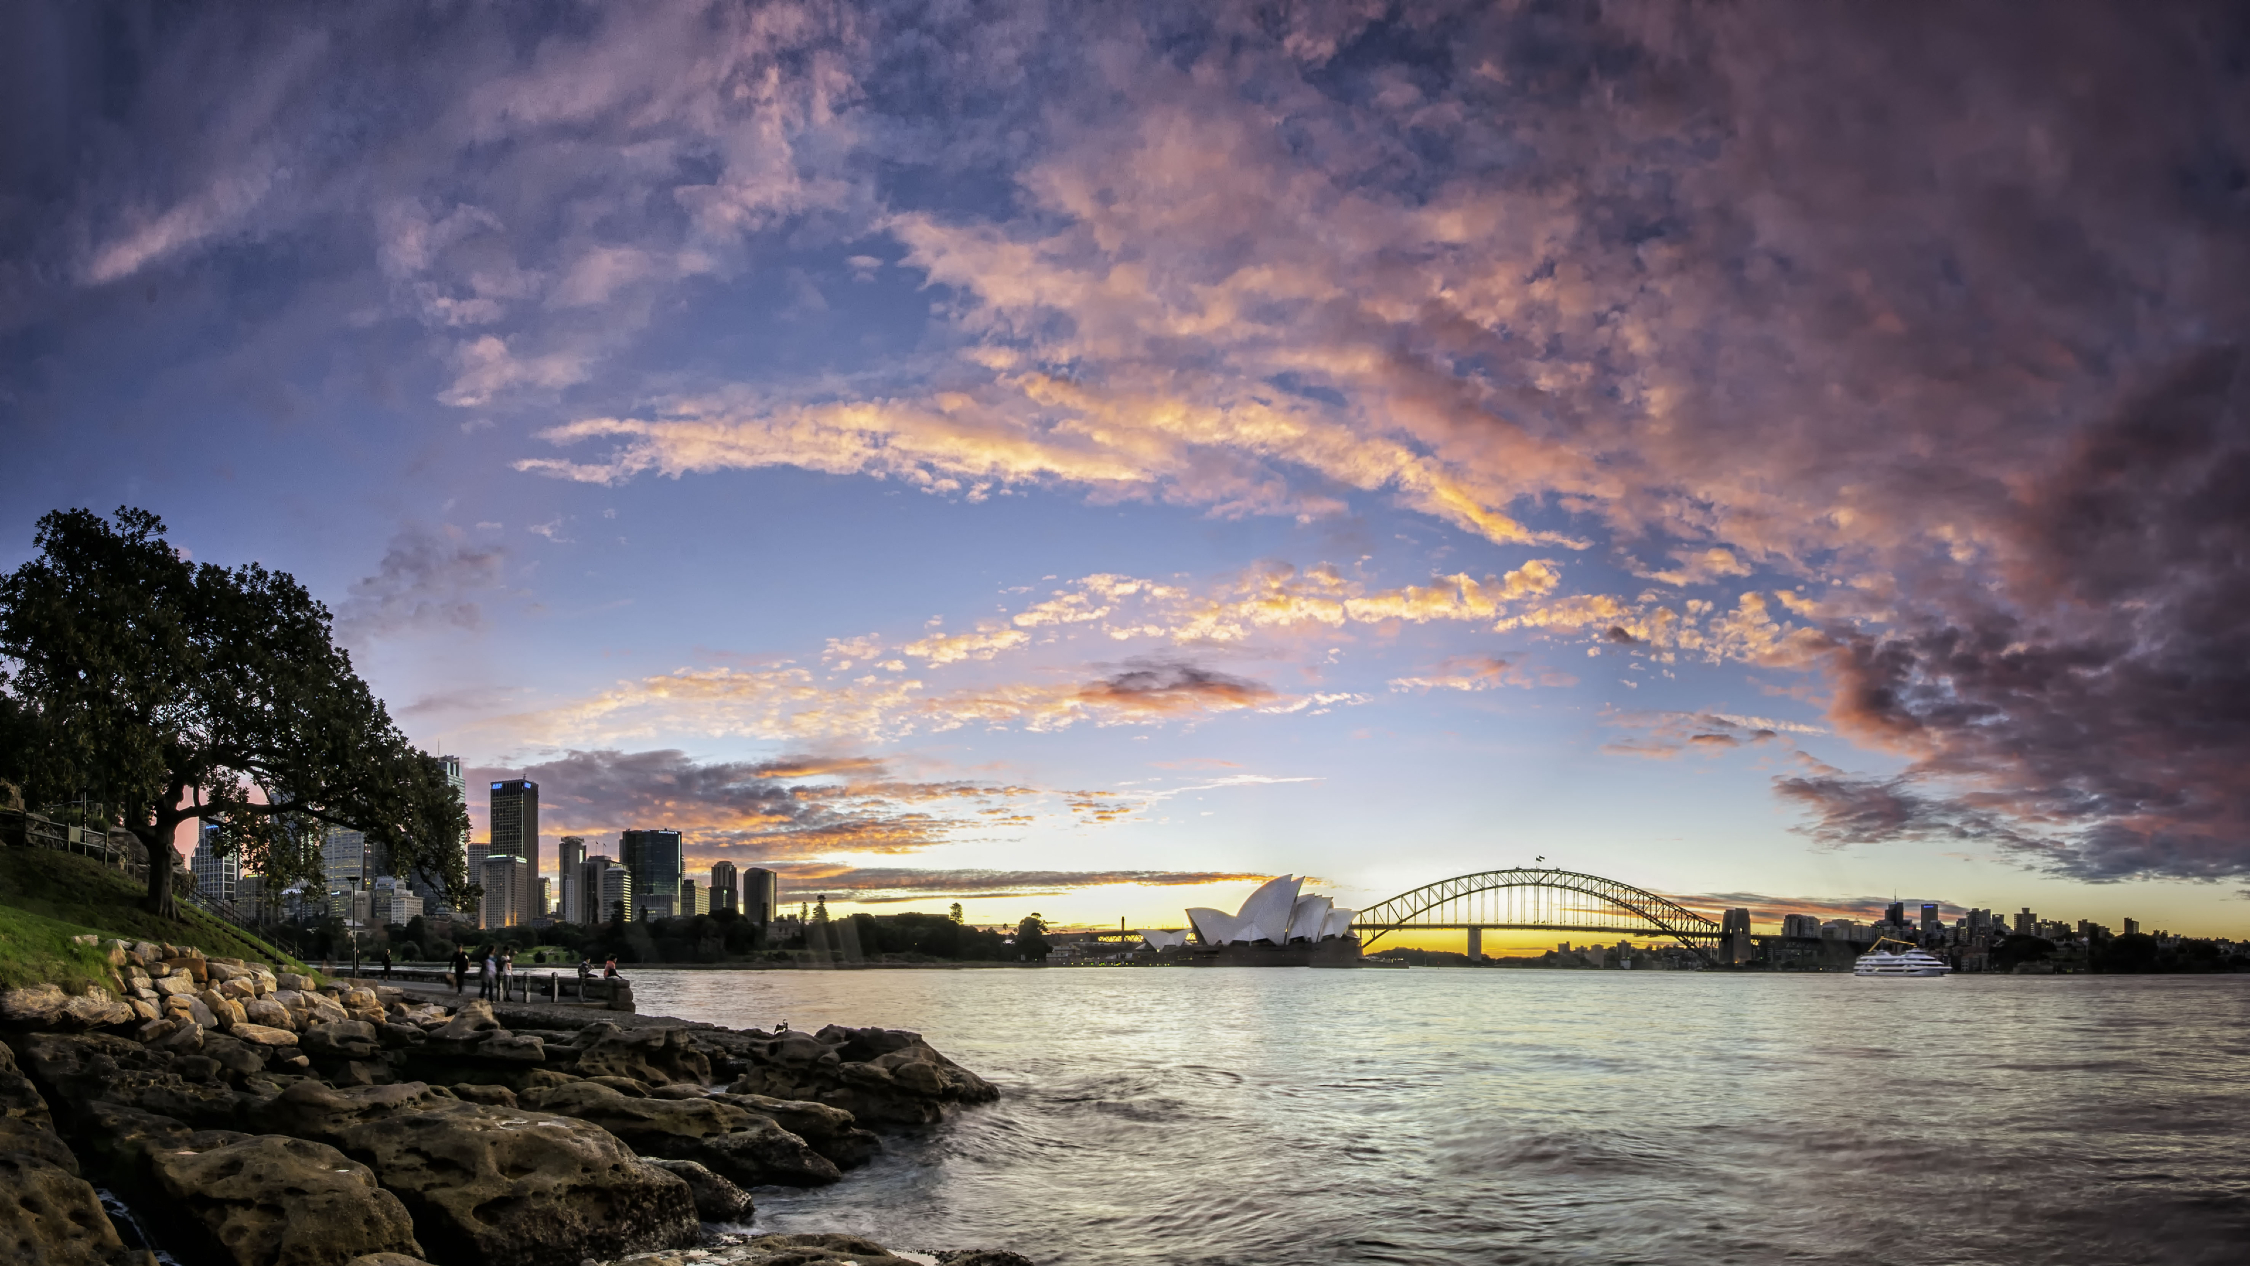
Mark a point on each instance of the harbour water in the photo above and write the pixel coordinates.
(1441, 1116)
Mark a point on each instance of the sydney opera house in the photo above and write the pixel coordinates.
(1276, 927)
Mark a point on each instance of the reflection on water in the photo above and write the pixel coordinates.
(1247, 1116)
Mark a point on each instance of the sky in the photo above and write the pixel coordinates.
(1088, 458)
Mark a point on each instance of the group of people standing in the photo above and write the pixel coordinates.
(498, 965)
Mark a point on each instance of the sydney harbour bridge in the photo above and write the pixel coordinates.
(1540, 899)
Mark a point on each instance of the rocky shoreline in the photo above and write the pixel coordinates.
(249, 1117)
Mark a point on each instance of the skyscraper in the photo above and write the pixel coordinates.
(726, 891)
(478, 850)
(344, 863)
(616, 892)
(423, 881)
(515, 832)
(656, 862)
(216, 875)
(504, 890)
(1929, 917)
(570, 865)
(593, 906)
(760, 895)
(1895, 914)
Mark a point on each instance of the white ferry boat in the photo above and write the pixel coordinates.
(1906, 961)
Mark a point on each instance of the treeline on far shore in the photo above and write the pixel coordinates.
(724, 937)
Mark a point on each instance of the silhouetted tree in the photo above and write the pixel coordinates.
(177, 692)
(2132, 952)
(2019, 948)
(1031, 940)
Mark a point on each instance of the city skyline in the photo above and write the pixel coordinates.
(1096, 461)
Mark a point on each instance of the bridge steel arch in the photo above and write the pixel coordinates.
(1536, 899)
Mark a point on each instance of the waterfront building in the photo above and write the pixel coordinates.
(1276, 927)
(616, 891)
(726, 893)
(761, 895)
(1800, 925)
(514, 819)
(657, 864)
(217, 874)
(570, 868)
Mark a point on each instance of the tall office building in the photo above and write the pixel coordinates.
(217, 874)
(726, 890)
(570, 866)
(1895, 914)
(424, 883)
(515, 831)
(616, 889)
(545, 909)
(478, 851)
(504, 889)
(657, 863)
(761, 893)
(695, 898)
(2026, 922)
(592, 907)
(343, 860)
(1930, 924)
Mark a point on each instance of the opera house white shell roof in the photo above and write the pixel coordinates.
(1274, 913)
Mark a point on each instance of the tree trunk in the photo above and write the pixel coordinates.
(160, 856)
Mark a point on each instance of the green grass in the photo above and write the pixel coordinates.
(65, 889)
(36, 951)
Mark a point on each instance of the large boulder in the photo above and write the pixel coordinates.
(716, 1199)
(747, 1150)
(310, 1110)
(19, 1137)
(48, 1007)
(50, 1216)
(340, 1039)
(19, 1099)
(828, 1130)
(276, 1201)
(269, 1013)
(80, 1068)
(880, 1076)
(493, 1187)
(655, 1055)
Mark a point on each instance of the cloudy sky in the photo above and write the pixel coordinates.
(1085, 458)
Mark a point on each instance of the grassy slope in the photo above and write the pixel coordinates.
(63, 888)
(35, 951)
